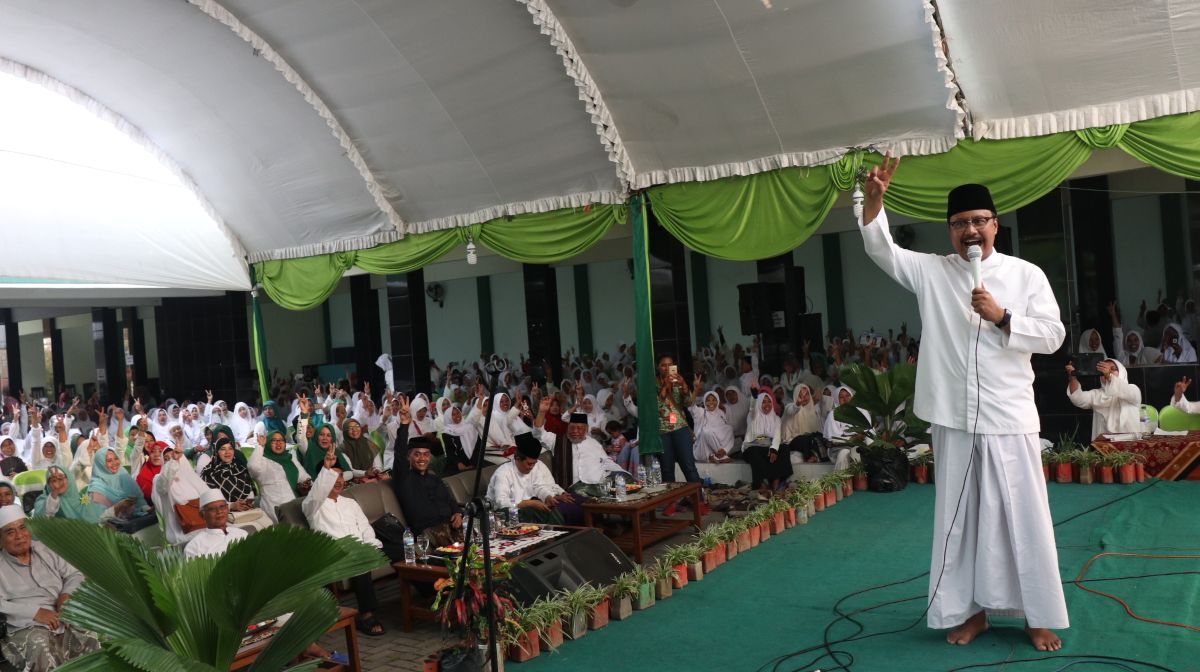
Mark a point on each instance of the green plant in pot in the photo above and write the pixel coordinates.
(621, 592)
(1087, 458)
(155, 611)
(664, 577)
(646, 589)
(882, 440)
(679, 556)
(547, 614)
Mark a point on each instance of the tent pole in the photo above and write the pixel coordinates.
(647, 386)
(260, 340)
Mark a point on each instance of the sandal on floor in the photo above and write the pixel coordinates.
(369, 627)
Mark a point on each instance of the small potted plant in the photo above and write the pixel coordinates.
(578, 605)
(597, 599)
(695, 568)
(1047, 463)
(920, 466)
(858, 474)
(1063, 457)
(678, 557)
(847, 481)
(708, 540)
(1139, 464)
(1123, 462)
(664, 577)
(818, 499)
(729, 533)
(519, 638)
(621, 593)
(763, 517)
(778, 507)
(468, 610)
(1087, 460)
(645, 584)
(547, 614)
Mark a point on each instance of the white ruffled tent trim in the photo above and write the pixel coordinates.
(135, 135)
(956, 100)
(589, 93)
(1093, 116)
(218, 13)
(443, 223)
(898, 147)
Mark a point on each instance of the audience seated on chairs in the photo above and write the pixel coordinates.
(35, 582)
(525, 483)
(802, 424)
(150, 467)
(8, 492)
(429, 507)
(281, 478)
(113, 489)
(61, 499)
(327, 511)
(228, 473)
(176, 497)
(217, 534)
(1116, 404)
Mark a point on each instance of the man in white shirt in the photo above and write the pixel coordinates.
(216, 536)
(1179, 401)
(975, 385)
(590, 462)
(327, 511)
(525, 483)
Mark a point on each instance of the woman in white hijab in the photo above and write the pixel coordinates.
(737, 408)
(466, 435)
(834, 431)
(714, 436)
(193, 429)
(500, 441)
(443, 410)
(81, 464)
(422, 419)
(1132, 349)
(241, 422)
(160, 421)
(770, 464)
(1090, 342)
(802, 423)
(52, 453)
(1176, 348)
(218, 414)
(606, 408)
(1115, 405)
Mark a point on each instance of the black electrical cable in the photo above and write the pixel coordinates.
(976, 666)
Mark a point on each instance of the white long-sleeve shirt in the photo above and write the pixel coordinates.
(213, 542)
(589, 461)
(273, 486)
(341, 517)
(949, 391)
(1186, 406)
(1116, 406)
(510, 487)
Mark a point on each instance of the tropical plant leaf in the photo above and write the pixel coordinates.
(146, 656)
(202, 632)
(304, 627)
(114, 564)
(851, 415)
(97, 610)
(98, 661)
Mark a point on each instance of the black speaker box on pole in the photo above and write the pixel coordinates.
(583, 557)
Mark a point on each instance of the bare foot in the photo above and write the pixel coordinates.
(969, 630)
(1043, 639)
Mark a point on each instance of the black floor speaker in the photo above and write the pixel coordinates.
(582, 557)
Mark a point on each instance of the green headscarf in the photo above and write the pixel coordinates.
(360, 451)
(70, 503)
(284, 460)
(314, 458)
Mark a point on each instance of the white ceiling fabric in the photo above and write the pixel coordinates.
(311, 126)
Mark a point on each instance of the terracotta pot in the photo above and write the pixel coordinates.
(598, 618)
(575, 625)
(1062, 473)
(620, 609)
(1106, 474)
(695, 571)
(662, 589)
(1046, 471)
(861, 482)
(811, 507)
(681, 576)
(789, 518)
(743, 542)
(526, 648)
(921, 473)
(764, 530)
(709, 560)
(720, 553)
(1087, 476)
(430, 664)
(847, 487)
(755, 535)
(1128, 474)
(818, 503)
(1140, 469)
(779, 522)
(552, 637)
(837, 493)
(830, 498)
(731, 550)
(645, 597)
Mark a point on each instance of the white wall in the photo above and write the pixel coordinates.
(723, 279)
(509, 327)
(568, 320)
(294, 338)
(454, 329)
(1138, 245)
(341, 321)
(811, 256)
(79, 353)
(611, 291)
(33, 359)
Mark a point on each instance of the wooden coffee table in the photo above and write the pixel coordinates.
(248, 654)
(654, 529)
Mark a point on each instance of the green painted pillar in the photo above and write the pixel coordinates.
(259, 338)
(835, 293)
(583, 308)
(487, 338)
(647, 385)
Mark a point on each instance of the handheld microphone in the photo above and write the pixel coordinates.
(975, 256)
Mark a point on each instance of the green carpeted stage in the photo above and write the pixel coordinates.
(779, 597)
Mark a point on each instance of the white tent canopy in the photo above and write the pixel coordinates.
(309, 126)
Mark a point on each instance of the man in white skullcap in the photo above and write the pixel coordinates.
(34, 584)
(216, 536)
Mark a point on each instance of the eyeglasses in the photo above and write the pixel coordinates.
(977, 222)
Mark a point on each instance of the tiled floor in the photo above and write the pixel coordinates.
(398, 650)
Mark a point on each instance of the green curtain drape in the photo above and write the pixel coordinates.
(536, 238)
(649, 442)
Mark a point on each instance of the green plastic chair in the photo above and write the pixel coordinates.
(1174, 420)
(30, 481)
(1151, 412)
(247, 451)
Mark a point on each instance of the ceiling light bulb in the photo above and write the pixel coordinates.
(471, 257)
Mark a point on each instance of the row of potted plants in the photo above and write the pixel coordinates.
(1075, 463)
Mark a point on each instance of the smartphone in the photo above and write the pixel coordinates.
(673, 370)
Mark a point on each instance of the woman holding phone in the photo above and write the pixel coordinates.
(674, 397)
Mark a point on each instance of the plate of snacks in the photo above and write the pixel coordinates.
(519, 531)
(452, 549)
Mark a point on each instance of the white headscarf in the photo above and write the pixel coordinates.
(159, 428)
(763, 423)
(801, 419)
(61, 457)
(1116, 404)
(1187, 352)
(500, 431)
(1085, 342)
(425, 426)
(467, 432)
(242, 427)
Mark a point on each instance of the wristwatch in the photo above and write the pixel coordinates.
(1004, 320)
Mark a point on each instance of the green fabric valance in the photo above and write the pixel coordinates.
(536, 238)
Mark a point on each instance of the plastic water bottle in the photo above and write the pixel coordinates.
(514, 517)
(410, 547)
(655, 471)
(642, 474)
(1145, 418)
(493, 528)
(619, 486)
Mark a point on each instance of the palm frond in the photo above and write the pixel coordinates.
(98, 661)
(145, 656)
(305, 626)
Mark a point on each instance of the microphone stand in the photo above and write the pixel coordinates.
(478, 508)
